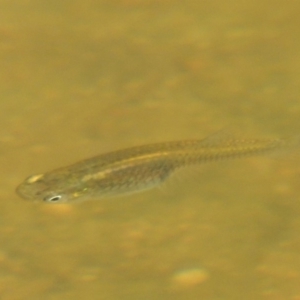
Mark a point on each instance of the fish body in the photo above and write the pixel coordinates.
(138, 168)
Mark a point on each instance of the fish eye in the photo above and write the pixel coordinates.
(53, 199)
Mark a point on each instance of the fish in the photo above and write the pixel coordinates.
(140, 168)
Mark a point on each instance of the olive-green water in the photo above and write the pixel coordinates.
(80, 78)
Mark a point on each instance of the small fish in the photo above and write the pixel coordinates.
(139, 168)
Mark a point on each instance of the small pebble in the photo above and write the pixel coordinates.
(190, 277)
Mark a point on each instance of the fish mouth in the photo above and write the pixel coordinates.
(31, 188)
(26, 192)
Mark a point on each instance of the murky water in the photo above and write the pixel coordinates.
(87, 77)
